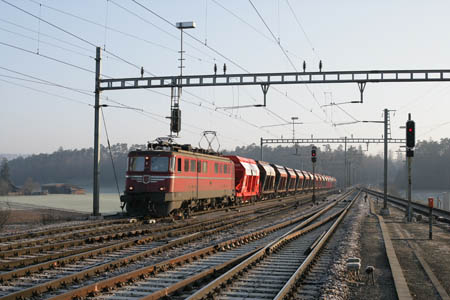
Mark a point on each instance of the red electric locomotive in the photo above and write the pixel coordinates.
(173, 179)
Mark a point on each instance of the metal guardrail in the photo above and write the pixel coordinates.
(417, 207)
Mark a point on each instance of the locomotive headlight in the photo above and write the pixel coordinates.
(130, 188)
(162, 188)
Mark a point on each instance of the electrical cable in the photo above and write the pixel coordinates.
(242, 20)
(271, 40)
(223, 56)
(71, 34)
(273, 35)
(81, 39)
(47, 57)
(47, 43)
(297, 20)
(110, 152)
(284, 51)
(115, 29)
(82, 91)
(44, 34)
(47, 93)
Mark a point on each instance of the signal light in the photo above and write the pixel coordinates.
(313, 155)
(410, 134)
(175, 120)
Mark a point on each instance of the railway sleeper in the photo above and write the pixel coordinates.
(161, 268)
(187, 239)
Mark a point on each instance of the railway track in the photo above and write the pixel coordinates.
(54, 274)
(440, 214)
(72, 271)
(198, 263)
(56, 243)
(274, 271)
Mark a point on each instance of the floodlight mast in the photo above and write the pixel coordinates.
(176, 89)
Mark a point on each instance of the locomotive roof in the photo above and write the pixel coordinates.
(180, 151)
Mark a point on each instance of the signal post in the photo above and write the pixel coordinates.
(410, 144)
(314, 159)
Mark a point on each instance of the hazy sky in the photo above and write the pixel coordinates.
(345, 35)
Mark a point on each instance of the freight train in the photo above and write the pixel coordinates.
(170, 179)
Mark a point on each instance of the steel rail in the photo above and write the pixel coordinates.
(417, 207)
(53, 243)
(8, 265)
(8, 238)
(302, 269)
(107, 267)
(207, 291)
(116, 282)
(87, 273)
(22, 263)
(177, 231)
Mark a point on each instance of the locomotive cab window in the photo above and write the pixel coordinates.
(179, 164)
(136, 163)
(186, 165)
(193, 163)
(205, 167)
(225, 169)
(159, 164)
(172, 164)
(216, 168)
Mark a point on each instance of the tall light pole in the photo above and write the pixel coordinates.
(175, 96)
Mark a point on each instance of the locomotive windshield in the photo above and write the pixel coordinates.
(159, 164)
(137, 163)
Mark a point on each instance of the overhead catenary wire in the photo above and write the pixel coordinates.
(164, 31)
(71, 34)
(283, 50)
(297, 20)
(132, 64)
(224, 57)
(121, 105)
(47, 93)
(46, 35)
(47, 57)
(81, 39)
(110, 152)
(40, 41)
(273, 35)
(108, 27)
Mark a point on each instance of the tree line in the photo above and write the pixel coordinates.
(430, 164)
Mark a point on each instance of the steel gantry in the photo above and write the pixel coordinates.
(267, 79)
(176, 83)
